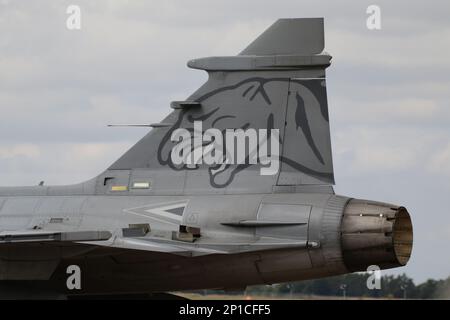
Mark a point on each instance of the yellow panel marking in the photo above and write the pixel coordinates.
(119, 188)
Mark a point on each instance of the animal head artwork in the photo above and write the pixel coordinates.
(245, 126)
(260, 119)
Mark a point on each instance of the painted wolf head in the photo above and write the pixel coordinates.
(252, 103)
(276, 83)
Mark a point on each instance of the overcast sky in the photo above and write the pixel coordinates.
(388, 92)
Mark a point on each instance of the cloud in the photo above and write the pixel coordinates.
(367, 149)
(390, 49)
(440, 161)
(56, 163)
(381, 111)
(384, 158)
(20, 150)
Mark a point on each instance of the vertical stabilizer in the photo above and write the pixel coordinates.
(259, 121)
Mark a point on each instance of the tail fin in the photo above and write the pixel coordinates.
(301, 37)
(259, 121)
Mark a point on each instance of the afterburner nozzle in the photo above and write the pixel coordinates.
(374, 233)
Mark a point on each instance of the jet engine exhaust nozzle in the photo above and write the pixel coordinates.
(374, 233)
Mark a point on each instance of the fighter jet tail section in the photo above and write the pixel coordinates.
(260, 121)
(235, 180)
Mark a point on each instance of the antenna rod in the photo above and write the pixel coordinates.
(129, 125)
(153, 125)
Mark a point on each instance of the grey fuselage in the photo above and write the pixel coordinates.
(246, 254)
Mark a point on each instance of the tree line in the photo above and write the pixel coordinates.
(355, 285)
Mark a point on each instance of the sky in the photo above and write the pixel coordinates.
(388, 92)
